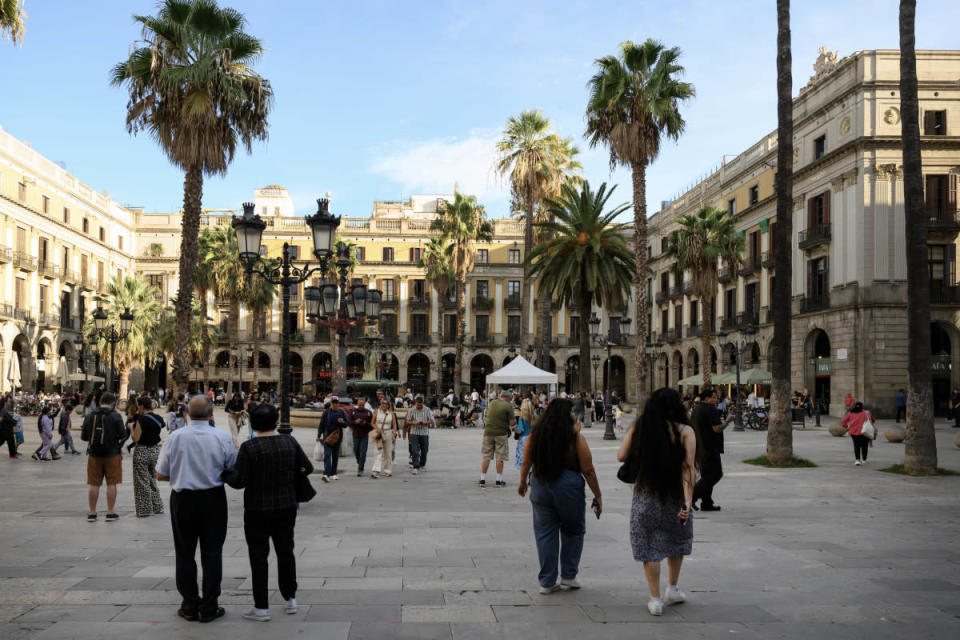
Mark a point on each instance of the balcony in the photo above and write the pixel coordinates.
(748, 319)
(483, 303)
(751, 264)
(729, 323)
(814, 237)
(68, 276)
(817, 302)
(24, 261)
(391, 340)
(726, 274)
(102, 287)
(660, 297)
(512, 301)
(670, 335)
(87, 282)
(6, 310)
(48, 269)
(573, 341)
(70, 323)
(768, 316)
(483, 339)
(944, 295)
(943, 222)
(419, 339)
(6, 254)
(23, 315)
(49, 320)
(448, 339)
(388, 303)
(675, 292)
(693, 332)
(768, 260)
(419, 302)
(513, 338)
(448, 303)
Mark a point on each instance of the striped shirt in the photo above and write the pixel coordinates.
(419, 415)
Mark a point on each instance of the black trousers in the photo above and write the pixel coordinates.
(901, 411)
(860, 446)
(956, 417)
(199, 516)
(6, 435)
(711, 470)
(259, 527)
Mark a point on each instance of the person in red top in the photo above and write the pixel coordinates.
(849, 401)
(853, 422)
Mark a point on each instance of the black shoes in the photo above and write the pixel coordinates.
(501, 483)
(189, 616)
(483, 484)
(712, 507)
(210, 617)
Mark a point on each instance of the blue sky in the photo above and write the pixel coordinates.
(378, 100)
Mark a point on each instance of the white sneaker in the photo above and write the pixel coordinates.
(291, 606)
(334, 477)
(655, 607)
(570, 583)
(325, 478)
(547, 590)
(257, 615)
(856, 462)
(674, 596)
(414, 472)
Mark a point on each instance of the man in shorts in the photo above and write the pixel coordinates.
(104, 430)
(496, 436)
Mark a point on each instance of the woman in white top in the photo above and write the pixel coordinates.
(384, 435)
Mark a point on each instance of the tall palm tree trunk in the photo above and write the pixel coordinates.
(204, 329)
(640, 279)
(192, 196)
(234, 329)
(461, 329)
(780, 433)
(256, 350)
(706, 337)
(920, 445)
(525, 300)
(544, 329)
(439, 370)
(585, 302)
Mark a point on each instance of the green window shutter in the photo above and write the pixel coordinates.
(764, 225)
(742, 234)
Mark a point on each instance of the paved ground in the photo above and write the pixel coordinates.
(833, 552)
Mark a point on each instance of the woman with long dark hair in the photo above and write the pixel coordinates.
(853, 422)
(556, 463)
(662, 449)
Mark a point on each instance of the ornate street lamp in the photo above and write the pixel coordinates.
(609, 342)
(238, 353)
(112, 334)
(723, 339)
(653, 350)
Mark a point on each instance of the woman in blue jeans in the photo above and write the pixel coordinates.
(557, 463)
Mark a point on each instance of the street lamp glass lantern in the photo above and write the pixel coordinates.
(249, 230)
(351, 307)
(314, 304)
(330, 297)
(126, 321)
(373, 303)
(594, 323)
(723, 338)
(100, 319)
(358, 295)
(323, 226)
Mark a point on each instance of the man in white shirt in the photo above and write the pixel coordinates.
(192, 460)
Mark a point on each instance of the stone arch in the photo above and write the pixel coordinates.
(221, 359)
(753, 357)
(663, 371)
(713, 360)
(296, 372)
(572, 373)
(817, 365)
(356, 364)
(942, 338)
(418, 372)
(480, 366)
(693, 361)
(447, 361)
(618, 376)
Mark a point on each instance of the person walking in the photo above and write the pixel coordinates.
(598, 407)
(556, 463)
(105, 432)
(579, 407)
(523, 428)
(45, 424)
(64, 425)
(193, 460)
(360, 427)
(267, 468)
(177, 414)
(853, 422)
(146, 437)
(662, 450)
(901, 405)
(235, 410)
(496, 436)
(7, 426)
(385, 435)
(706, 420)
(332, 423)
(954, 407)
(417, 429)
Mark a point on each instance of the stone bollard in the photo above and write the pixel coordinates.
(895, 434)
(837, 431)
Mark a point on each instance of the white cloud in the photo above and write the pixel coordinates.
(435, 166)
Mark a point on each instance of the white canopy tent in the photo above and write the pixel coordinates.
(519, 371)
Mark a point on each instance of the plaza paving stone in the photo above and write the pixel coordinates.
(834, 552)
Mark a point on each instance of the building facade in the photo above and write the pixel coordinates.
(849, 253)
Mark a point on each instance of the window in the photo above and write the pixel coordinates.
(574, 328)
(771, 237)
(100, 274)
(694, 309)
(294, 251)
(483, 327)
(22, 191)
(415, 253)
(119, 275)
(818, 213)
(753, 246)
(817, 279)
(276, 211)
(513, 256)
(483, 256)
(754, 194)
(387, 287)
(388, 324)
(263, 251)
(20, 294)
(677, 318)
(418, 323)
(664, 321)
(21, 240)
(83, 268)
(65, 263)
(513, 329)
(941, 264)
(86, 225)
(361, 253)
(751, 300)
(819, 147)
(43, 298)
(450, 327)
(732, 206)
(388, 254)
(155, 280)
(46, 204)
(103, 234)
(934, 123)
(66, 215)
(43, 254)
(940, 196)
(663, 244)
(664, 281)
(293, 318)
(730, 306)
(261, 326)
(419, 289)
(513, 288)
(483, 288)
(120, 243)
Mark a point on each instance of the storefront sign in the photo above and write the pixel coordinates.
(821, 367)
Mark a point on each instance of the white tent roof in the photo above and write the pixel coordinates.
(519, 371)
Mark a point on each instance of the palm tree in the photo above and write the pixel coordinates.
(229, 279)
(192, 89)
(141, 344)
(920, 445)
(203, 284)
(634, 102)
(586, 258)
(462, 222)
(702, 241)
(258, 298)
(12, 17)
(440, 276)
(780, 433)
(202, 335)
(537, 162)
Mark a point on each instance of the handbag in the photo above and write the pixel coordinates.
(628, 472)
(318, 451)
(868, 429)
(303, 488)
(333, 439)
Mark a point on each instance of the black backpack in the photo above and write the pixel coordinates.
(100, 444)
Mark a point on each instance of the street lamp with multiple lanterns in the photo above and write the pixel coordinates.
(608, 342)
(238, 353)
(112, 334)
(723, 339)
(653, 350)
(330, 305)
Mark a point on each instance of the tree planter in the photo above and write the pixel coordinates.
(895, 434)
(837, 431)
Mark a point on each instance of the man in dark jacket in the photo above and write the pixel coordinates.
(361, 424)
(333, 420)
(104, 430)
(706, 420)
